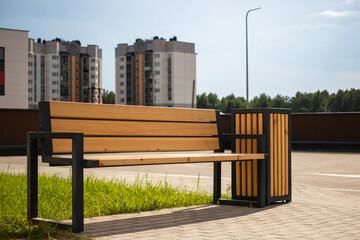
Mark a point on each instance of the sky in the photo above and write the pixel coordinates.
(294, 45)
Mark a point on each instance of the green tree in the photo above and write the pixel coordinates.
(230, 101)
(260, 102)
(213, 101)
(202, 101)
(280, 102)
(301, 102)
(108, 97)
(320, 101)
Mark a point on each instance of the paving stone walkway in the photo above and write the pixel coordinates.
(326, 197)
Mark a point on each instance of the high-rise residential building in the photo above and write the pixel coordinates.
(13, 68)
(59, 70)
(156, 72)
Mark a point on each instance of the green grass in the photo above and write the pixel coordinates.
(101, 198)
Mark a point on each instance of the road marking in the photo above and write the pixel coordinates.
(343, 190)
(337, 175)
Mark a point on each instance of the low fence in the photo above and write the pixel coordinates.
(14, 124)
(327, 131)
(309, 131)
(320, 131)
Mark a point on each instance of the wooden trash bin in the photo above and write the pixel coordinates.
(276, 125)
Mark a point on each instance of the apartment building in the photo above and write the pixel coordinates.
(60, 70)
(156, 72)
(13, 68)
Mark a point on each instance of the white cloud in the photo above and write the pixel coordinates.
(350, 1)
(338, 14)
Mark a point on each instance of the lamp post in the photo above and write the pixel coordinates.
(247, 55)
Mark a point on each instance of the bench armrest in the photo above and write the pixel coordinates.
(77, 142)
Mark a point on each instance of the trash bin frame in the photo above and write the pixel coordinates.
(266, 130)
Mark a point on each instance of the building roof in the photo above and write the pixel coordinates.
(14, 29)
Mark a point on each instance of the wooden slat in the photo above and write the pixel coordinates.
(254, 150)
(243, 150)
(237, 150)
(287, 154)
(248, 150)
(133, 128)
(242, 131)
(275, 166)
(171, 158)
(283, 190)
(131, 144)
(103, 111)
(272, 189)
(278, 144)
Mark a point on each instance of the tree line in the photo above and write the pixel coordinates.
(320, 101)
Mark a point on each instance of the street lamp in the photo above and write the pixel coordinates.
(247, 67)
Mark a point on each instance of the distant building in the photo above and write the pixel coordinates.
(156, 73)
(13, 68)
(63, 71)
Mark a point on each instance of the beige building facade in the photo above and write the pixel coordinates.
(13, 68)
(156, 73)
(64, 71)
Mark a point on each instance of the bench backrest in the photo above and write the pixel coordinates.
(118, 128)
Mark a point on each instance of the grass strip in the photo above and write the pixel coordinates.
(101, 197)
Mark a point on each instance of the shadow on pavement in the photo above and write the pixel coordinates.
(156, 220)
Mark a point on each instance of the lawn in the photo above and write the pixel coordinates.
(101, 198)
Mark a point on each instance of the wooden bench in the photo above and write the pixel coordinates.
(113, 135)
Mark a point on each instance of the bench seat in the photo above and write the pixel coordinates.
(148, 158)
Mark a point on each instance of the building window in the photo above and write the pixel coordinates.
(121, 59)
(157, 72)
(93, 68)
(93, 60)
(156, 55)
(55, 83)
(54, 57)
(30, 72)
(157, 89)
(92, 76)
(122, 84)
(122, 67)
(122, 92)
(55, 74)
(54, 66)
(2, 71)
(122, 75)
(122, 100)
(157, 64)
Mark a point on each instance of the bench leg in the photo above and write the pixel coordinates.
(32, 178)
(77, 186)
(217, 182)
(261, 183)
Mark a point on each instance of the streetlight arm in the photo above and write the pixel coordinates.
(247, 67)
(254, 9)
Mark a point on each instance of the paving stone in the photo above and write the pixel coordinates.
(316, 212)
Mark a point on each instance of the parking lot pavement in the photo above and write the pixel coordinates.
(326, 196)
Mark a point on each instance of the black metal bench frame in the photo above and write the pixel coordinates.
(78, 164)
